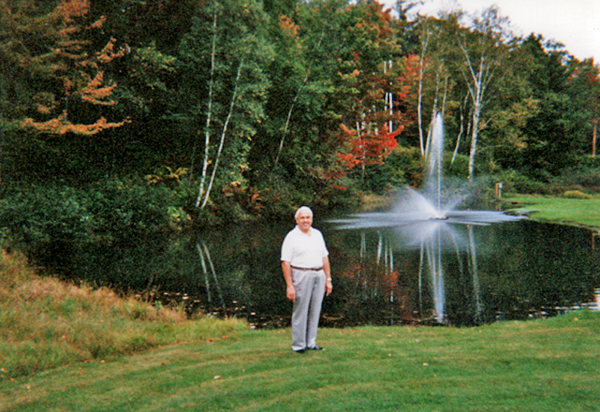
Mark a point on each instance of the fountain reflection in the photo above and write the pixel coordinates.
(428, 221)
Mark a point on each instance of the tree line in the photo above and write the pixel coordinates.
(224, 110)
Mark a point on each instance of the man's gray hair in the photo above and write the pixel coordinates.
(303, 209)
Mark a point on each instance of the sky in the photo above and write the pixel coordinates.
(574, 23)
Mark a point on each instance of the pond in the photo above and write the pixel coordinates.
(461, 275)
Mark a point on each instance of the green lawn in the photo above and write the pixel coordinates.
(584, 212)
(539, 365)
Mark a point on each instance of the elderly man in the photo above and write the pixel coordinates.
(305, 265)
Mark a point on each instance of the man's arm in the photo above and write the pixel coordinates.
(287, 275)
(327, 270)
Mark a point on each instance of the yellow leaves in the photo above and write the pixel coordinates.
(98, 23)
(62, 126)
(107, 54)
(154, 179)
(45, 102)
(170, 175)
(72, 62)
(177, 174)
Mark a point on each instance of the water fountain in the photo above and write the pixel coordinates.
(426, 220)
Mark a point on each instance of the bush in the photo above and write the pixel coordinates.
(404, 167)
(83, 233)
(576, 194)
(460, 167)
(579, 178)
(515, 182)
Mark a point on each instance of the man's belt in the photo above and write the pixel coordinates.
(307, 269)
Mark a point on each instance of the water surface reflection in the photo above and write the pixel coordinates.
(463, 275)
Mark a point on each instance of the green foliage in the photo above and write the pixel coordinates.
(584, 177)
(305, 68)
(82, 233)
(515, 182)
(459, 168)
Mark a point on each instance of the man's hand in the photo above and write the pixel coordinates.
(327, 269)
(287, 275)
(291, 293)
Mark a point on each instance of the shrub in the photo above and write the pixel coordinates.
(576, 194)
(578, 178)
(515, 182)
(81, 233)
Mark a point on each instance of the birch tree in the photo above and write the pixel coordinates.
(224, 55)
(480, 49)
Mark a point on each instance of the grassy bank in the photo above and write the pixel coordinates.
(577, 211)
(541, 365)
(45, 323)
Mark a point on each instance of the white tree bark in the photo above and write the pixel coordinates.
(208, 111)
(424, 43)
(477, 81)
(223, 133)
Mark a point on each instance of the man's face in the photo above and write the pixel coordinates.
(304, 220)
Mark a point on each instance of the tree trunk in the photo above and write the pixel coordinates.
(223, 133)
(594, 138)
(209, 111)
(424, 43)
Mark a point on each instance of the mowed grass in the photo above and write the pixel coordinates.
(538, 365)
(584, 212)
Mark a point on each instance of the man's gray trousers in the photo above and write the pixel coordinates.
(310, 289)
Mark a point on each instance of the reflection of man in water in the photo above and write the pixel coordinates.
(305, 264)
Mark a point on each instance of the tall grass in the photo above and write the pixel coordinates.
(45, 322)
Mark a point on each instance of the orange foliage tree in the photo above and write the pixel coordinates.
(68, 79)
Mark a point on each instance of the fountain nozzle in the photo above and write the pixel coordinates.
(438, 218)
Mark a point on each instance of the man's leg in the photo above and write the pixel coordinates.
(300, 312)
(314, 310)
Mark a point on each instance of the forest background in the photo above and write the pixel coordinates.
(126, 120)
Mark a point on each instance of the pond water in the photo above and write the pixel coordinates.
(456, 275)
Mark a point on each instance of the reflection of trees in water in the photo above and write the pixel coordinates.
(376, 276)
(205, 258)
(370, 287)
(506, 271)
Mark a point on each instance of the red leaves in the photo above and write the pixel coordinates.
(370, 147)
(377, 99)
